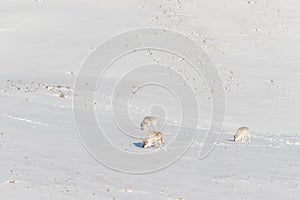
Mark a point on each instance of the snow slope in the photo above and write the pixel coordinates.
(254, 44)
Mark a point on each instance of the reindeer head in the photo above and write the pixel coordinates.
(142, 126)
(145, 144)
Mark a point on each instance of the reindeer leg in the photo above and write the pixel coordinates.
(244, 139)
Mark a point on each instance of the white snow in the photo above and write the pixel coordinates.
(255, 46)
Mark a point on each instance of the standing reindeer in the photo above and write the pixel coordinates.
(149, 122)
(242, 135)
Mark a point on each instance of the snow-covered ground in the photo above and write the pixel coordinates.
(255, 46)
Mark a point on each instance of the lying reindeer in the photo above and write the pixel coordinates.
(153, 139)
